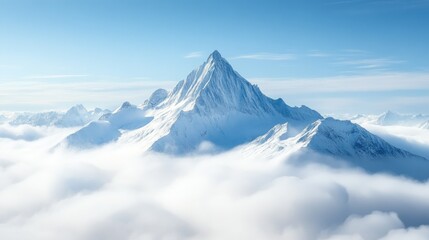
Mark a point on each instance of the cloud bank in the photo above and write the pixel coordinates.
(118, 192)
(268, 56)
(21, 132)
(402, 92)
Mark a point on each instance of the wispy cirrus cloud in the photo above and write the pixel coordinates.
(317, 53)
(363, 61)
(53, 76)
(196, 54)
(357, 83)
(47, 93)
(404, 92)
(370, 63)
(354, 51)
(268, 56)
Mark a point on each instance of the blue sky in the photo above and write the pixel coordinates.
(345, 56)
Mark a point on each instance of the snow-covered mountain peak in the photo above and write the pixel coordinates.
(124, 105)
(327, 128)
(216, 73)
(215, 55)
(78, 109)
(155, 98)
(127, 116)
(216, 61)
(331, 137)
(348, 140)
(392, 118)
(75, 116)
(388, 116)
(277, 133)
(215, 87)
(389, 112)
(78, 115)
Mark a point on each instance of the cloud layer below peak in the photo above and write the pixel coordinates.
(116, 192)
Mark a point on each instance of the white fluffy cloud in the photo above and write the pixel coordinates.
(118, 192)
(412, 139)
(22, 132)
(371, 226)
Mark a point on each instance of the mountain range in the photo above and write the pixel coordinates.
(76, 116)
(215, 109)
(390, 118)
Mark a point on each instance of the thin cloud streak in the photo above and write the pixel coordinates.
(370, 63)
(318, 54)
(57, 76)
(353, 94)
(41, 95)
(268, 56)
(196, 54)
(380, 82)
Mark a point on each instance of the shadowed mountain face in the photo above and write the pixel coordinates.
(333, 139)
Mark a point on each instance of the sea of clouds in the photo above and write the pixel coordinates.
(119, 192)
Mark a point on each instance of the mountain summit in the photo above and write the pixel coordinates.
(216, 86)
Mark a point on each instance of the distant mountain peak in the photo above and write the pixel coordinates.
(390, 113)
(155, 98)
(126, 105)
(78, 108)
(348, 140)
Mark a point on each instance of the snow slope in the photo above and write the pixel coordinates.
(348, 140)
(344, 140)
(332, 137)
(109, 127)
(425, 125)
(156, 98)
